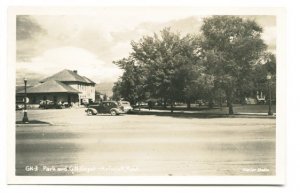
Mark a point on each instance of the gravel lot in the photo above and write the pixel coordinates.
(77, 144)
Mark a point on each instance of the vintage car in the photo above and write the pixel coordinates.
(111, 107)
(47, 104)
(126, 105)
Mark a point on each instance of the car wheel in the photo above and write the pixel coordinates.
(113, 112)
(90, 112)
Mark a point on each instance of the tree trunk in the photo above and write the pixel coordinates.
(229, 103)
(165, 103)
(188, 104)
(230, 110)
(242, 100)
(172, 106)
(210, 104)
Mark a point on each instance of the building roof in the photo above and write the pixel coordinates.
(67, 76)
(88, 80)
(21, 87)
(51, 86)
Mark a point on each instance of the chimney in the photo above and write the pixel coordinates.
(75, 71)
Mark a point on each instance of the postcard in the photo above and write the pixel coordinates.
(146, 95)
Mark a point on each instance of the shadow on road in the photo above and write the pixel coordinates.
(33, 122)
(104, 115)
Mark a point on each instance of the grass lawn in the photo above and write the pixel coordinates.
(253, 108)
(237, 108)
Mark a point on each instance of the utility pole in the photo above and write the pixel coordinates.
(25, 117)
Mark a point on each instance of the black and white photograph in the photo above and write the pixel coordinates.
(161, 92)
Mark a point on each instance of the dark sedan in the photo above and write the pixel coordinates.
(111, 107)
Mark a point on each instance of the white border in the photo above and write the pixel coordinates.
(280, 120)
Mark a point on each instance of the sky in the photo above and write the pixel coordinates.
(89, 43)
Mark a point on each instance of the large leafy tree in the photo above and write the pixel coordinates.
(170, 65)
(156, 55)
(163, 66)
(195, 82)
(130, 86)
(231, 47)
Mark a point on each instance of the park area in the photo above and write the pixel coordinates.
(147, 143)
(205, 110)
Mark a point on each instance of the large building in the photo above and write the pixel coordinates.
(64, 86)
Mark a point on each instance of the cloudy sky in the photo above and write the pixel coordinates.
(89, 43)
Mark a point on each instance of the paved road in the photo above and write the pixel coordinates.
(76, 144)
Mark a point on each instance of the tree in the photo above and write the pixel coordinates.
(231, 47)
(117, 90)
(130, 85)
(170, 65)
(192, 72)
(105, 97)
(266, 66)
(156, 56)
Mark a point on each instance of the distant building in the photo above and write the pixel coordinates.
(64, 86)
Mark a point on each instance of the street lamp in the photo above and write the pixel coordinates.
(270, 99)
(25, 117)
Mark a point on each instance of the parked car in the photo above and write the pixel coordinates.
(111, 107)
(141, 104)
(67, 105)
(47, 104)
(126, 105)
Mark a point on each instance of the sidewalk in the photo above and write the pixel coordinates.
(212, 112)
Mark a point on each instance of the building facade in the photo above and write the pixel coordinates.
(66, 86)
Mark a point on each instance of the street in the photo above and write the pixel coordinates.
(77, 144)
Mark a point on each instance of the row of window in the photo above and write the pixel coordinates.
(85, 88)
